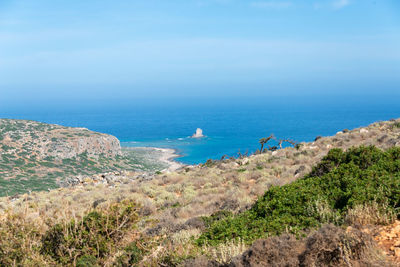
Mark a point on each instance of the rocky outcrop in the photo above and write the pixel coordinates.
(198, 133)
(388, 238)
(48, 140)
(93, 145)
(110, 179)
(46, 154)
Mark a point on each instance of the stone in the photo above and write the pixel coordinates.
(245, 161)
(397, 252)
(198, 133)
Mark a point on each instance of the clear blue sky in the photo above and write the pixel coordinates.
(127, 49)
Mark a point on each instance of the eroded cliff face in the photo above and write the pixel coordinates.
(81, 141)
(20, 137)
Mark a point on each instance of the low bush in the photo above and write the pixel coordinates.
(215, 217)
(329, 246)
(340, 182)
(96, 236)
(131, 255)
(86, 261)
(20, 243)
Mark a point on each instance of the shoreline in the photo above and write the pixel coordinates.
(166, 155)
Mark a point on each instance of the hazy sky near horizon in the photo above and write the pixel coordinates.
(126, 49)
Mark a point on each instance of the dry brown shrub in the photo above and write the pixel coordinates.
(254, 175)
(372, 213)
(260, 188)
(224, 253)
(20, 242)
(201, 261)
(329, 246)
(232, 176)
(173, 179)
(274, 251)
(147, 207)
(333, 246)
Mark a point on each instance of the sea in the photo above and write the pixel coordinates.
(231, 126)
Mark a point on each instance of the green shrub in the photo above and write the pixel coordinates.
(216, 216)
(338, 183)
(86, 261)
(132, 254)
(6, 148)
(96, 235)
(19, 162)
(209, 163)
(47, 164)
(17, 243)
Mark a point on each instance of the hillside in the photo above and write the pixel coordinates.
(175, 218)
(38, 156)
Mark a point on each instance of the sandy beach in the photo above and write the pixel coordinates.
(167, 156)
(164, 156)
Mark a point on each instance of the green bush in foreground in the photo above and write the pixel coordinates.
(341, 181)
(91, 239)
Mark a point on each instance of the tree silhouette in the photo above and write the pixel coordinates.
(265, 140)
(293, 143)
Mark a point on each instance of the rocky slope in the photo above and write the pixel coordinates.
(39, 156)
(43, 140)
(388, 237)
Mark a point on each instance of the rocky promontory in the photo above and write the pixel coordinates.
(37, 156)
(49, 140)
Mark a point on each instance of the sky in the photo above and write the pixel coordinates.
(117, 50)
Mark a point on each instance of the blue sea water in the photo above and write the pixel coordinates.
(230, 125)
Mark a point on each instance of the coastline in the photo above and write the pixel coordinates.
(168, 156)
(165, 156)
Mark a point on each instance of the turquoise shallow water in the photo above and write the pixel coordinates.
(229, 125)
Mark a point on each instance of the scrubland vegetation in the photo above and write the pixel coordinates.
(314, 205)
(364, 176)
(37, 156)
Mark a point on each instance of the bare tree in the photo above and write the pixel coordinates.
(265, 140)
(293, 143)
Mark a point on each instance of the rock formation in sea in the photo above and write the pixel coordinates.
(198, 133)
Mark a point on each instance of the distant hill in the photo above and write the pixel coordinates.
(39, 156)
